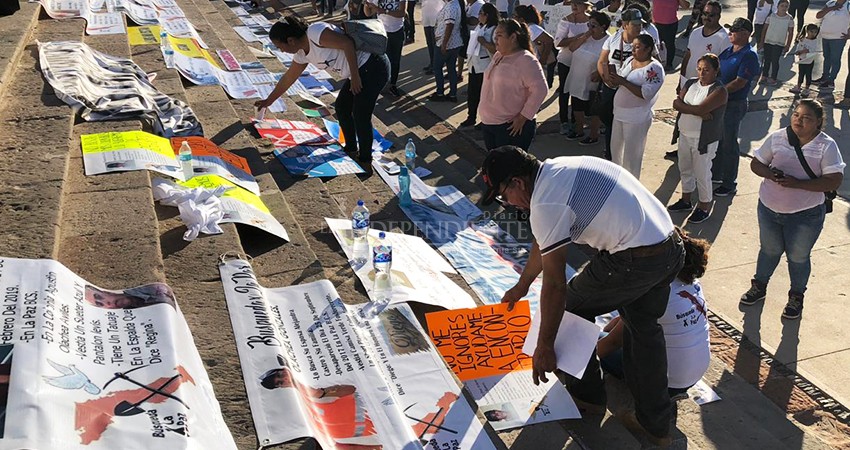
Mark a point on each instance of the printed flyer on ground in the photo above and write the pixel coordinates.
(418, 272)
(240, 205)
(484, 348)
(85, 367)
(137, 150)
(317, 161)
(381, 386)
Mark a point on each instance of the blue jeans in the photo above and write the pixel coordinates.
(793, 234)
(725, 165)
(832, 53)
(450, 61)
(498, 135)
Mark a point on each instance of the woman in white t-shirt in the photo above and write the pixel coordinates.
(684, 323)
(583, 78)
(639, 80)
(764, 8)
(791, 206)
(544, 44)
(570, 29)
(488, 19)
(326, 47)
(391, 14)
(616, 50)
(835, 26)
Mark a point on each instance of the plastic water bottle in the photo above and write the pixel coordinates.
(410, 155)
(167, 51)
(185, 156)
(360, 220)
(382, 255)
(404, 187)
(382, 287)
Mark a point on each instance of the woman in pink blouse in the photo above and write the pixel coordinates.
(513, 90)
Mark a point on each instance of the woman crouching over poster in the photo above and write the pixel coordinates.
(327, 47)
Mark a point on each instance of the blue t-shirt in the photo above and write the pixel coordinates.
(744, 64)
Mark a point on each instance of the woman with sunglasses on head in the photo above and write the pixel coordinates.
(583, 77)
(327, 47)
(514, 88)
(639, 80)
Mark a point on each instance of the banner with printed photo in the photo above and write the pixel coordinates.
(240, 205)
(103, 87)
(89, 368)
(418, 272)
(381, 386)
(317, 161)
(484, 347)
(552, 15)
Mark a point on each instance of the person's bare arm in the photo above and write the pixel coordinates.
(532, 269)
(736, 85)
(552, 303)
(332, 39)
(712, 102)
(288, 79)
(613, 341)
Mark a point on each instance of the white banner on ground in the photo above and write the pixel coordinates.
(418, 272)
(85, 367)
(103, 87)
(380, 387)
(96, 22)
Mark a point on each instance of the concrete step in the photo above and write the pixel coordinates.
(17, 30)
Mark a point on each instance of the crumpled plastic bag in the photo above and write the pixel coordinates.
(200, 209)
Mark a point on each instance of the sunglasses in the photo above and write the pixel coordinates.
(500, 198)
(705, 14)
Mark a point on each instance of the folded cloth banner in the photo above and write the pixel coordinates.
(86, 367)
(379, 386)
(418, 272)
(103, 87)
(240, 205)
(313, 161)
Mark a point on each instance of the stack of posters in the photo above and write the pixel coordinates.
(418, 272)
(379, 143)
(103, 87)
(198, 66)
(305, 149)
(378, 386)
(484, 348)
(137, 150)
(86, 367)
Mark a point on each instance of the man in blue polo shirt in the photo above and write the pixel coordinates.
(739, 66)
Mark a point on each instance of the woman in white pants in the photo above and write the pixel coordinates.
(639, 80)
(701, 104)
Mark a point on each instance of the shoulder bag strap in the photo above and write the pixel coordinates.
(795, 142)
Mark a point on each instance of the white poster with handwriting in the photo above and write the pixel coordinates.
(83, 367)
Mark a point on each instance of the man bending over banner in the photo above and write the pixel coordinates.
(335, 411)
(592, 201)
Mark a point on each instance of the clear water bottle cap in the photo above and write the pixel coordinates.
(409, 139)
(382, 235)
(360, 203)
